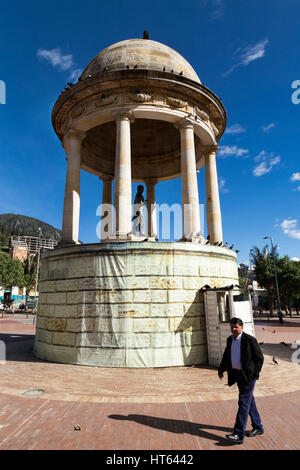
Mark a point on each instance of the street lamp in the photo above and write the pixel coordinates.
(37, 271)
(276, 281)
(251, 269)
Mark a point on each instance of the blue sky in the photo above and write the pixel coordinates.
(245, 52)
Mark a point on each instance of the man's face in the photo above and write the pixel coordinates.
(236, 330)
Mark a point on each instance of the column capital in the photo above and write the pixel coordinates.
(207, 150)
(106, 178)
(150, 181)
(76, 134)
(184, 123)
(124, 116)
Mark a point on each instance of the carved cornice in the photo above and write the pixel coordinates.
(176, 102)
(188, 93)
(105, 100)
(202, 115)
(78, 111)
(140, 97)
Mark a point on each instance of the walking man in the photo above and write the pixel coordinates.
(243, 360)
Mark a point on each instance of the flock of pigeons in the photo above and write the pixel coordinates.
(224, 245)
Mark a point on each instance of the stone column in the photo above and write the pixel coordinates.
(189, 183)
(106, 212)
(122, 187)
(70, 227)
(151, 208)
(213, 211)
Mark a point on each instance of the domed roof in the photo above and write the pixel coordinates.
(140, 54)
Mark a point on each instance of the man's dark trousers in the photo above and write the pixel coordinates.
(247, 406)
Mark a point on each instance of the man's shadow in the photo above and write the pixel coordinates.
(178, 426)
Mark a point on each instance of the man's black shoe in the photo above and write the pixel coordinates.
(254, 432)
(235, 438)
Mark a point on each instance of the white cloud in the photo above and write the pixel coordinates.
(217, 8)
(222, 184)
(295, 177)
(232, 150)
(75, 74)
(289, 228)
(266, 163)
(268, 127)
(260, 156)
(62, 62)
(295, 259)
(249, 54)
(235, 129)
(55, 57)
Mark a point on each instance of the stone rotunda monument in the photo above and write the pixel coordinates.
(137, 113)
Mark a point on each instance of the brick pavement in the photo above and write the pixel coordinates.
(168, 408)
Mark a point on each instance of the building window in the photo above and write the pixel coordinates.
(241, 296)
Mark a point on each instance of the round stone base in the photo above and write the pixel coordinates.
(128, 304)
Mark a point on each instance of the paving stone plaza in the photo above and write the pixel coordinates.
(163, 408)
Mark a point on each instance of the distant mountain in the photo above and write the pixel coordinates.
(13, 224)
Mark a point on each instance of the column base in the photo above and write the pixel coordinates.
(66, 243)
(131, 238)
(193, 238)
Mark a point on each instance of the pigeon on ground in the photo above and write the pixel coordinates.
(274, 331)
(77, 428)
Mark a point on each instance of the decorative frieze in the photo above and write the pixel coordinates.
(175, 102)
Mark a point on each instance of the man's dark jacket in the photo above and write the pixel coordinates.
(251, 359)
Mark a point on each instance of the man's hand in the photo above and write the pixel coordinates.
(221, 375)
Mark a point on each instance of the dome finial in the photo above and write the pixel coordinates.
(146, 35)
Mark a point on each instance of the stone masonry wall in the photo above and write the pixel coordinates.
(128, 304)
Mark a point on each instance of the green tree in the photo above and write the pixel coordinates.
(289, 282)
(243, 270)
(263, 262)
(242, 283)
(11, 271)
(288, 275)
(29, 269)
